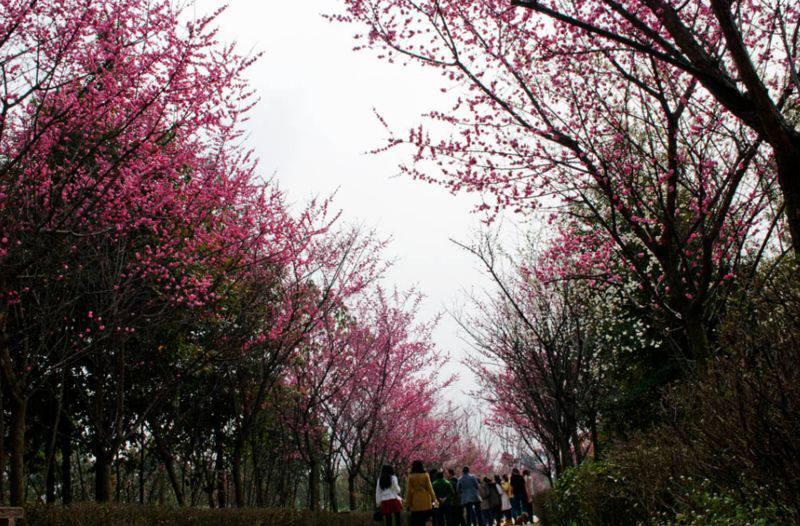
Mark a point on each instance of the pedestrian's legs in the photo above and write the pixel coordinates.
(459, 516)
(479, 515)
(439, 516)
(419, 518)
(515, 507)
(474, 514)
(447, 515)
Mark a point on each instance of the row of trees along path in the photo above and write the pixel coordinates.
(162, 304)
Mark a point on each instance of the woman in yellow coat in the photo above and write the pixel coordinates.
(419, 494)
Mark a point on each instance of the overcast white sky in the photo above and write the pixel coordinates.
(314, 123)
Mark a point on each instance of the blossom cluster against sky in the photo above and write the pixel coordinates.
(316, 121)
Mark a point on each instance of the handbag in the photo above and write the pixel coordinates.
(377, 516)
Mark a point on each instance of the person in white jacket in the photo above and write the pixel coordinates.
(387, 496)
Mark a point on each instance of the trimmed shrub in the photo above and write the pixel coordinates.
(90, 514)
(592, 494)
(700, 505)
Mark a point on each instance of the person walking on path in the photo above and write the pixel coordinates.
(456, 511)
(519, 495)
(419, 494)
(445, 493)
(468, 489)
(387, 496)
(529, 489)
(494, 500)
(504, 488)
(486, 502)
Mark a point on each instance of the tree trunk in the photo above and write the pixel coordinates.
(258, 479)
(19, 407)
(788, 163)
(236, 473)
(66, 461)
(50, 455)
(330, 480)
(697, 339)
(2, 447)
(209, 490)
(65, 440)
(117, 479)
(565, 453)
(282, 489)
(313, 485)
(351, 491)
(169, 465)
(102, 474)
(141, 467)
(50, 480)
(596, 447)
(81, 481)
(219, 469)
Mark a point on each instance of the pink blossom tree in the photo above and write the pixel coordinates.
(536, 350)
(744, 54)
(396, 348)
(545, 85)
(652, 174)
(124, 196)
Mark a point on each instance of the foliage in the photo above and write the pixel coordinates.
(701, 506)
(720, 454)
(592, 494)
(536, 348)
(605, 493)
(739, 420)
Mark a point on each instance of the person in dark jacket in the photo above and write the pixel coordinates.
(445, 493)
(495, 500)
(489, 499)
(456, 511)
(519, 494)
(469, 491)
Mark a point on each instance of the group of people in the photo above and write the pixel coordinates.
(455, 501)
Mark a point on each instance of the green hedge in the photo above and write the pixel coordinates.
(89, 514)
(592, 494)
(609, 494)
